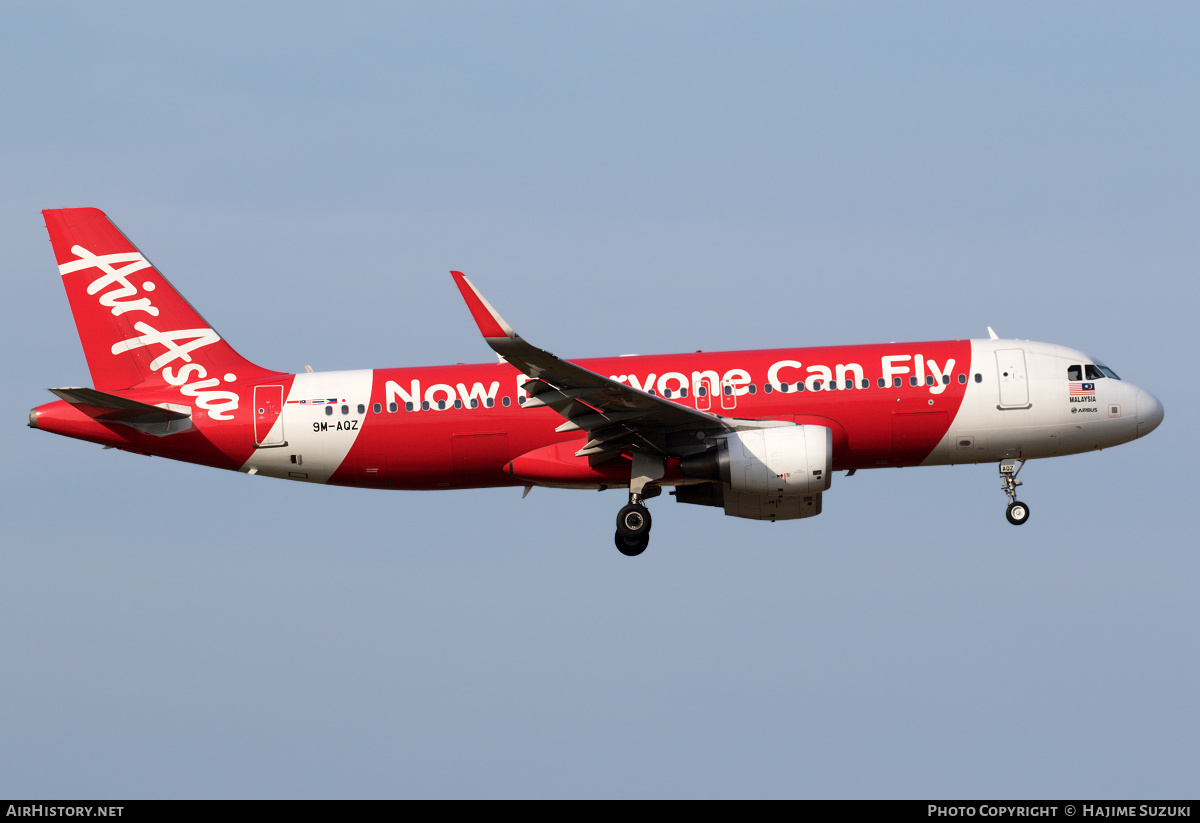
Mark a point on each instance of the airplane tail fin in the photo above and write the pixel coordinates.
(136, 330)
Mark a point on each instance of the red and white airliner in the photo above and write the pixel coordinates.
(756, 433)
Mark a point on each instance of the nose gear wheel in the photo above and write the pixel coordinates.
(1017, 513)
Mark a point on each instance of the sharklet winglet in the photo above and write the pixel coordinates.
(489, 321)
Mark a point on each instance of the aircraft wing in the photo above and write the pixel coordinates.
(614, 416)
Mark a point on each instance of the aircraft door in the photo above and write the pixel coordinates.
(1014, 387)
(728, 394)
(268, 404)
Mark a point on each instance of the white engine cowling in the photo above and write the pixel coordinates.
(789, 460)
(776, 473)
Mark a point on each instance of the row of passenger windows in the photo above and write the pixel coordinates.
(821, 385)
(425, 406)
(702, 391)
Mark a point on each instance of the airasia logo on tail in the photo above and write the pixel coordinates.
(120, 296)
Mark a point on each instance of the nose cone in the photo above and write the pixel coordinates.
(1149, 412)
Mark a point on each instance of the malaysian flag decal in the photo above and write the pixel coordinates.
(1081, 388)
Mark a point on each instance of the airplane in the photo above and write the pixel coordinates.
(757, 434)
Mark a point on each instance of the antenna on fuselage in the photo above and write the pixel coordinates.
(992, 335)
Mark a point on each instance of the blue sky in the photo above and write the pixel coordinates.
(616, 178)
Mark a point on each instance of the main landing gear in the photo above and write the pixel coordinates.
(1017, 512)
(633, 527)
(633, 521)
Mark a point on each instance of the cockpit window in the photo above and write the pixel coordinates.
(1074, 372)
(1092, 372)
(1107, 371)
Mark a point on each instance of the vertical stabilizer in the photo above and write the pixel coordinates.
(136, 330)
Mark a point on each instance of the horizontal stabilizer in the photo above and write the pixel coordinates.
(111, 408)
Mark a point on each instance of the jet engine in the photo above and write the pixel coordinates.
(765, 474)
(788, 460)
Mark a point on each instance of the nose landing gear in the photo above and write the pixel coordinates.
(1017, 512)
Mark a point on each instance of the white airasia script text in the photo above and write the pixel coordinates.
(121, 296)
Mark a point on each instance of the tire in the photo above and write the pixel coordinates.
(633, 521)
(1018, 513)
(631, 547)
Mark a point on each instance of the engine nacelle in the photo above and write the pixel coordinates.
(787, 460)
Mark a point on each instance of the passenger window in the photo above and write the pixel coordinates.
(1075, 373)
(728, 390)
(702, 391)
(912, 381)
(866, 384)
(683, 392)
(978, 377)
(329, 409)
(883, 382)
(667, 393)
(474, 402)
(377, 408)
(424, 405)
(407, 406)
(489, 402)
(945, 380)
(785, 387)
(962, 379)
(817, 385)
(361, 408)
(767, 388)
(441, 405)
(753, 388)
(345, 409)
(506, 401)
(458, 404)
(1092, 372)
(929, 381)
(897, 382)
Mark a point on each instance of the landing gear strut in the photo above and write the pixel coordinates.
(1017, 512)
